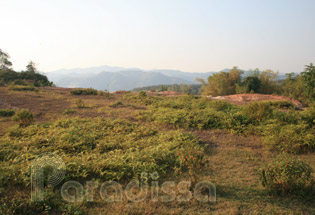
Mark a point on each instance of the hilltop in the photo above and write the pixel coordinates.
(182, 137)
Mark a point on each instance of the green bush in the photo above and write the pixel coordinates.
(142, 94)
(106, 94)
(117, 104)
(289, 138)
(98, 148)
(290, 117)
(237, 122)
(52, 204)
(286, 175)
(220, 105)
(23, 88)
(89, 91)
(182, 118)
(141, 99)
(6, 112)
(308, 115)
(69, 111)
(80, 103)
(258, 110)
(281, 104)
(24, 117)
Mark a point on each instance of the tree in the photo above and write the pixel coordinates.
(31, 67)
(268, 79)
(251, 83)
(5, 64)
(308, 79)
(223, 83)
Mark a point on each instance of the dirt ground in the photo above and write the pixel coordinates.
(242, 99)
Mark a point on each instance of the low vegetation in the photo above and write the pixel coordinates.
(84, 92)
(23, 117)
(6, 112)
(287, 175)
(259, 155)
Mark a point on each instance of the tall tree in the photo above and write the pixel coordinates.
(5, 64)
(268, 81)
(308, 78)
(31, 67)
(223, 83)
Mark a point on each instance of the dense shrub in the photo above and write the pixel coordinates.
(117, 104)
(182, 118)
(281, 104)
(141, 99)
(286, 175)
(9, 77)
(99, 148)
(238, 122)
(308, 115)
(24, 118)
(52, 204)
(23, 88)
(80, 103)
(289, 138)
(258, 110)
(69, 111)
(6, 112)
(89, 91)
(290, 117)
(220, 105)
(106, 94)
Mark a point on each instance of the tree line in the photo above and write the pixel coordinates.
(28, 77)
(299, 86)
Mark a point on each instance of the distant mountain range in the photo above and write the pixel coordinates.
(119, 78)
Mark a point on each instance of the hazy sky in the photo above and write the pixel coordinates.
(189, 35)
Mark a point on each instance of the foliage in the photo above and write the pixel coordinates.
(301, 86)
(23, 88)
(23, 117)
(268, 82)
(80, 103)
(117, 104)
(226, 83)
(69, 111)
(289, 138)
(52, 204)
(107, 94)
(249, 84)
(308, 78)
(220, 105)
(6, 112)
(5, 63)
(89, 91)
(140, 98)
(258, 110)
(286, 175)
(30, 76)
(223, 83)
(99, 148)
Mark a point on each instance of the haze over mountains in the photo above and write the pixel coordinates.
(118, 78)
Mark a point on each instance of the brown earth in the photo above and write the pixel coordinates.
(242, 99)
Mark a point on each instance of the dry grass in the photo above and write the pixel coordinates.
(233, 160)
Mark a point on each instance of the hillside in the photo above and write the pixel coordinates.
(183, 138)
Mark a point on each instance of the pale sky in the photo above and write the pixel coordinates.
(188, 35)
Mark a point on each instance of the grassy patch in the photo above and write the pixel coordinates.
(89, 91)
(23, 88)
(6, 112)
